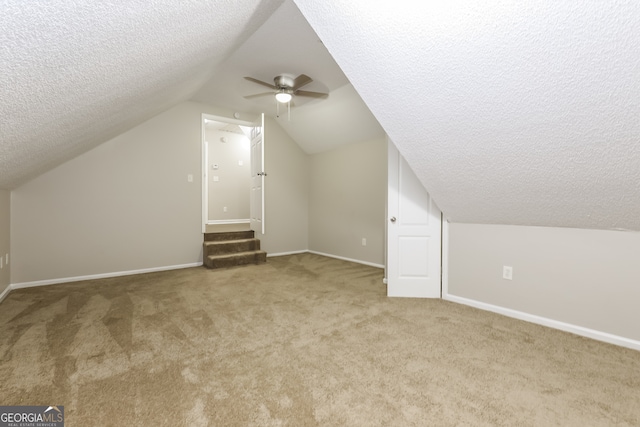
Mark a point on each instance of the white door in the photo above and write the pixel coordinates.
(257, 177)
(413, 234)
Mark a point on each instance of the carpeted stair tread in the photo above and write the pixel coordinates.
(229, 235)
(213, 243)
(237, 254)
(234, 259)
(228, 249)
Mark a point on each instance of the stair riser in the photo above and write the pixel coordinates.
(220, 248)
(245, 259)
(232, 235)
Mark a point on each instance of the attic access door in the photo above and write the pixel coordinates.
(257, 177)
(413, 234)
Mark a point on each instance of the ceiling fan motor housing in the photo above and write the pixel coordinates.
(284, 82)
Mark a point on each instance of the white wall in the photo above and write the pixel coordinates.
(5, 209)
(286, 193)
(587, 278)
(125, 205)
(232, 189)
(348, 199)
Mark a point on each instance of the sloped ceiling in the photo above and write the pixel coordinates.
(509, 112)
(286, 44)
(75, 73)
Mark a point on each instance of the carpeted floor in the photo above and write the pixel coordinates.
(303, 340)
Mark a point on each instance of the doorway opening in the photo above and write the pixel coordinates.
(226, 178)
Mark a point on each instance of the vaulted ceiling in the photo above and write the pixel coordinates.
(75, 74)
(509, 112)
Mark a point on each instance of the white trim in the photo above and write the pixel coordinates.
(444, 291)
(287, 253)
(101, 276)
(370, 264)
(5, 292)
(555, 324)
(228, 221)
(205, 157)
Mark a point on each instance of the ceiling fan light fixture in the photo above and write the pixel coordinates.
(283, 96)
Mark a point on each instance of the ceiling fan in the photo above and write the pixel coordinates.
(285, 87)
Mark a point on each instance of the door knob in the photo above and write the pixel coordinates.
(393, 219)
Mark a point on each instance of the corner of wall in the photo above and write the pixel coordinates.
(347, 202)
(5, 241)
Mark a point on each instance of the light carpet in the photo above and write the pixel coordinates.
(302, 340)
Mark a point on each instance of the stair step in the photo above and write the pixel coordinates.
(240, 258)
(228, 235)
(230, 246)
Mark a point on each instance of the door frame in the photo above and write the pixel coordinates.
(205, 158)
(258, 174)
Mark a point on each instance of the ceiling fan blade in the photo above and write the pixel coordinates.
(300, 81)
(311, 94)
(258, 95)
(260, 82)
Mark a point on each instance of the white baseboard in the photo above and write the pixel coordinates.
(357, 261)
(555, 324)
(5, 292)
(287, 253)
(100, 276)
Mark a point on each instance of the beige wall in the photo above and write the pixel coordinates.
(233, 186)
(5, 209)
(588, 278)
(125, 205)
(348, 199)
(286, 193)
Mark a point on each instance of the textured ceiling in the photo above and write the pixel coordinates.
(75, 73)
(286, 44)
(509, 112)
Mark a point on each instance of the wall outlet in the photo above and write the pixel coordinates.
(190, 178)
(364, 241)
(224, 209)
(507, 272)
